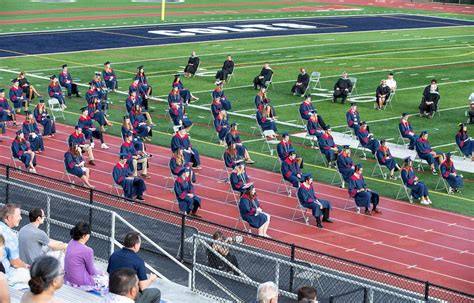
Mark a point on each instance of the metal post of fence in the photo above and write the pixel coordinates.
(112, 234)
(7, 189)
(91, 201)
(366, 295)
(427, 290)
(331, 299)
(183, 226)
(292, 272)
(48, 215)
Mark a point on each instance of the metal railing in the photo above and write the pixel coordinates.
(174, 233)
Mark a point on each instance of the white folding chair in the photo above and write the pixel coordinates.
(401, 138)
(15, 160)
(314, 81)
(389, 101)
(321, 155)
(56, 107)
(284, 183)
(269, 82)
(360, 148)
(406, 190)
(419, 162)
(241, 220)
(70, 177)
(312, 140)
(341, 178)
(172, 179)
(117, 189)
(443, 183)
(230, 76)
(380, 168)
(302, 209)
(350, 201)
(354, 86)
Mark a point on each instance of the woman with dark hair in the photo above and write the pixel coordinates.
(32, 133)
(75, 165)
(251, 212)
(464, 142)
(449, 173)
(233, 137)
(183, 92)
(419, 190)
(385, 158)
(139, 122)
(221, 247)
(21, 151)
(42, 117)
(144, 88)
(27, 88)
(47, 277)
(79, 268)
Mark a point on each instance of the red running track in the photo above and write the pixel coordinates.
(421, 242)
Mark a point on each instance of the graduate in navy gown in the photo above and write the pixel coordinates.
(42, 117)
(98, 114)
(328, 147)
(21, 150)
(144, 88)
(406, 131)
(54, 91)
(78, 138)
(109, 77)
(464, 142)
(188, 201)
(88, 128)
(385, 158)
(75, 165)
(179, 117)
(261, 98)
(216, 107)
(425, 152)
(366, 139)
(135, 157)
(308, 199)
(353, 118)
(32, 133)
(175, 97)
(449, 173)
(419, 190)
(221, 126)
(131, 100)
(306, 108)
(17, 96)
(128, 127)
(265, 121)
(218, 92)
(283, 148)
(65, 80)
(123, 176)
(6, 111)
(184, 92)
(233, 137)
(177, 164)
(290, 169)
(139, 122)
(182, 140)
(345, 165)
(231, 156)
(239, 178)
(250, 211)
(362, 195)
(314, 126)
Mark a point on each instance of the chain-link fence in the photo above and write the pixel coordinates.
(175, 233)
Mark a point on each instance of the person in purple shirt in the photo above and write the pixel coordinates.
(79, 268)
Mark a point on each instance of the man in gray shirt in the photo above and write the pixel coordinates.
(33, 242)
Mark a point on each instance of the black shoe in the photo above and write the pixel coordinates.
(319, 225)
(140, 198)
(411, 148)
(328, 220)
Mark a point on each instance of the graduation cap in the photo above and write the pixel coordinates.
(238, 163)
(177, 75)
(15, 80)
(19, 132)
(407, 159)
(41, 100)
(291, 151)
(353, 104)
(285, 134)
(248, 186)
(128, 134)
(307, 97)
(181, 127)
(63, 66)
(219, 82)
(126, 117)
(461, 124)
(106, 63)
(52, 77)
(2, 90)
(97, 73)
(390, 74)
(382, 141)
(78, 127)
(83, 109)
(404, 114)
(184, 170)
(123, 156)
(140, 67)
(424, 132)
(448, 155)
(28, 112)
(234, 124)
(346, 147)
(91, 83)
(307, 176)
(358, 166)
(328, 127)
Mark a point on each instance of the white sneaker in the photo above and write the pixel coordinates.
(429, 201)
(92, 144)
(104, 146)
(424, 202)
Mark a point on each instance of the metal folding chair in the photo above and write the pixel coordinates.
(354, 86)
(284, 183)
(360, 148)
(349, 201)
(55, 107)
(172, 179)
(389, 101)
(443, 183)
(401, 138)
(269, 83)
(378, 167)
(303, 211)
(341, 178)
(406, 190)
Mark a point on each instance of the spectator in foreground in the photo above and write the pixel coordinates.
(128, 257)
(33, 242)
(222, 248)
(307, 294)
(47, 277)
(4, 296)
(80, 271)
(15, 269)
(267, 293)
(123, 286)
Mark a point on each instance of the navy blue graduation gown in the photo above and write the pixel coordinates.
(86, 124)
(183, 92)
(465, 143)
(353, 119)
(423, 149)
(345, 166)
(384, 157)
(314, 128)
(308, 199)
(54, 91)
(75, 139)
(43, 118)
(248, 211)
(229, 160)
(139, 125)
(453, 181)
(306, 110)
(234, 138)
(19, 149)
(175, 98)
(17, 97)
(406, 130)
(237, 181)
(216, 108)
(110, 78)
(369, 143)
(183, 187)
(221, 126)
(290, 170)
(131, 187)
(326, 143)
(28, 130)
(218, 93)
(363, 198)
(70, 163)
(178, 117)
(3, 107)
(418, 188)
(265, 123)
(283, 148)
(183, 142)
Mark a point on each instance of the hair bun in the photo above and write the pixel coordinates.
(36, 285)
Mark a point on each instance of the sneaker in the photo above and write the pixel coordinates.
(434, 172)
(429, 201)
(104, 146)
(424, 202)
(91, 162)
(393, 178)
(140, 198)
(92, 144)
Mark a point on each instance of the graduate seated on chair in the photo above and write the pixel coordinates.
(301, 84)
(54, 91)
(385, 158)
(406, 131)
(134, 157)
(362, 195)
(6, 112)
(306, 108)
(264, 76)
(42, 117)
(464, 142)
(179, 117)
(65, 80)
(221, 126)
(141, 126)
(233, 137)
(191, 68)
(251, 212)
(353, 118)
(109, 77)
(284, 147)
(342, 88)
(430, 99)
(32, 133)
(266, 120)
(345, 165)
(78, 138)
(90, 130)
(227, 69)
(290, 169)
(328, 147)
(21, 151)
(75, 165)
(177, 164)
(218, 92)
(17, 96)
(185, 93)
(123, 176)
(367, 139)
(144, 89)
(308, 199)
(182, 140)
(425, 152)
(448, 172)
(382, 93)
(239, 178)
(419, 190)
(188, 201)
(315, 125)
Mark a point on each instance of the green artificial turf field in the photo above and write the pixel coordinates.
(415, 56)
